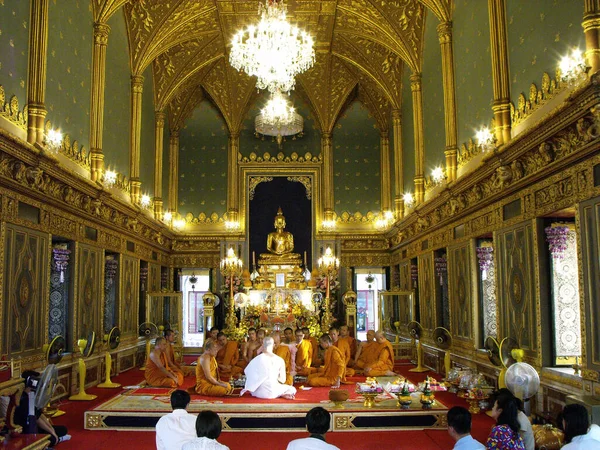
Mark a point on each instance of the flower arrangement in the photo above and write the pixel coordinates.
(441, 268)
(110, 270)
(60, 258)
(557, 240)
(334, 285)
(370, 386)
(237, 285)
(485, 256)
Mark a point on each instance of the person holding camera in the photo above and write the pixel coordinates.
(32, 419)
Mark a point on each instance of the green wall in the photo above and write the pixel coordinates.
(203, 143)
(434, 138)
(147, 134)
(70, 41)
(14, 48)
(540, 33)
(117, 97)
(356, 162)
(472, 68)
(408, 133)
(309, 142)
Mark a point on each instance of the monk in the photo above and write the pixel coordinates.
(315, 361)
(303, 355)
(335, 368)
(171, 336)
(283, 351)
(242, 363)
(228, 356)
(208, 381)
(288, 336)
(345, 335)
(367, 351)
(158, 373)
(212, 334)
(252, 349)
(385, 358)
(344, 347)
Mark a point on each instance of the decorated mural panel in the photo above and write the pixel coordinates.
(14, 49)
(130, 269)
(427, 293)
(461, 292)
(90, 295)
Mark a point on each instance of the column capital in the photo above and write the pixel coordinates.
(444, 31)
(415, 81)
(396, 116)
(384, 136)
(101, 32)
(160, 117)
(137, 83)
(174, 136)
(326, 136)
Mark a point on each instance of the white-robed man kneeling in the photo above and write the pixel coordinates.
(265, 375)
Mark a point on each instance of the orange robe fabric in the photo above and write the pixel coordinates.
(155, 376)
(304, 358)
(368, 354)
(314, 351)
(334, 368)
(344, 347)
(172, 364)
(283, 351)
(229, 356)
(384, 362)
(352, 344)
(205, 387)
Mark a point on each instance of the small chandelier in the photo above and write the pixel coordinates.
(557, 237)
(274, 51)
(278, 118)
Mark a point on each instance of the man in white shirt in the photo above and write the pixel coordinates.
(578, 434)
(459, 428)
(176, 428)
(317, 424)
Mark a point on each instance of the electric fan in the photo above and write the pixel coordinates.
(443, 341)
(523, 381)
(415, 329)
(493, 350)
(86, 347)
(149, 331)
(112, 341)
(509, 354)
(54, 353)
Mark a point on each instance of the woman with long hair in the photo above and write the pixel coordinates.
(505, 434)
(578, 433)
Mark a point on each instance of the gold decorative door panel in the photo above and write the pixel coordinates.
(427, 293)
(404, 269)
(153, 277)
(462, 300)
(589, 216)
(26, 279)
(518, 316)
(129, 304)
(89, 300)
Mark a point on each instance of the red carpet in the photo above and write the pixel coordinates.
(421, 440)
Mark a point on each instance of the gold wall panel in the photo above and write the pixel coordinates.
(89, 300)
(153, 277)
(427, 293)
(405, 281)
(461, 298)
(128, 304)
(25, 291)
(516, 283)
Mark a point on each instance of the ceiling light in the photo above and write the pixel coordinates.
(572, 67)
(145, 201)
(438, 175)
(278, 118)
(110, 177)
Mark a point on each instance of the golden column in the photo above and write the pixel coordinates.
(327, 154)
(173, 170)
(233, 206)
(500, 71)
(137, 87)
(398, 165)
(101, 31)
(159, 130)
(328, 266)
(417, 98)
(208, 300)
(231, 266)
(445, 36)
(349, 299)
(36, 86)
(591, 28)
(385, 170)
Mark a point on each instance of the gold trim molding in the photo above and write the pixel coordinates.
(10, 110)
(280, 158)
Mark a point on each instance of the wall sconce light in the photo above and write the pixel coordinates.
(145, 201)
(388, 215)
(178, 224)
(328, 224)
(167, 216)
(110, 178)
(409, 200)
(231, 225)
(53, 139)
(485, 139)
(438, 175)
(572, 67)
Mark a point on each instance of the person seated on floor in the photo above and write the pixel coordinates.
(459, 429)
(344, 347)
(171, 336)
(345, 335)
(318, 420)
(208, 381)
(579, 435)
(158, 372)
(367, 351)
(316, 361)
(505, 434)
(384, 363)
(303, 355)
(243, 362)
(228, 356)
(334, 370)
(255, 347)
(265, 375)
(526, 431)
(176, 428)
(283, 351)
(38, 422)
(208, 429)
(288, 336)
(213, 333)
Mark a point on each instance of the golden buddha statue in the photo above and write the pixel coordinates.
(280, 242)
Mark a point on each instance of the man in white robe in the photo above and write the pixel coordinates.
(265, 375)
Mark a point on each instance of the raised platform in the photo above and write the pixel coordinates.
(140, 409)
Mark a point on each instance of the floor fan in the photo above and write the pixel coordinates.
(86, 347)
(443, 341)
(44, 389)
(416, 330)
(493, 350)
(149, 331)
(112, 340)
(509, 354)
(523, 381)
(54, 353)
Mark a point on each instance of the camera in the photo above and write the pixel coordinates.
(32, 382)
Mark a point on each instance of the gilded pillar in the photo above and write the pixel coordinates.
(137, 87)
(417, 98)
(398, 165)
(101, 31)
(591, 28)
(159, 129)
(384, 143)
(445, 36)
(173, 170)
(500, 71)
(36, 86)
(327, 153)
(233, 206)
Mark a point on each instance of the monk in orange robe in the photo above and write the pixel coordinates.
(228, 356)
(283, 351)
(367, 352)
(384, 364)
(253, 346)
(303, 355)
(344, 347)
(315, 361)
(242, 363)
(335, 368)
(171, 336)
(158, 373)
(208, 381)
(345, 335)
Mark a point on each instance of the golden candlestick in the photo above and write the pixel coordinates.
(231, 266)
(328, 266)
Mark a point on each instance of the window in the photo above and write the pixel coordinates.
(194, 284)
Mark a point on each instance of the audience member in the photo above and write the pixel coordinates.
(505, 434)
(317, 424)
(526, 431)
(208, 429)
(459, 428)
(579, 435)
(176, 428)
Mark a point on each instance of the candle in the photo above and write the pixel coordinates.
(253, 258)
(305, 258)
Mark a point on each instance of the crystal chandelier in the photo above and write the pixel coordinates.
(274, 51)
(278, 118)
